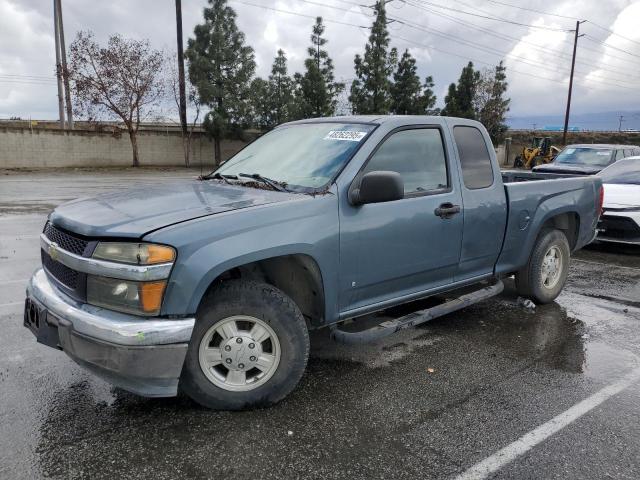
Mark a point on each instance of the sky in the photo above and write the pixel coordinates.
(536, 46)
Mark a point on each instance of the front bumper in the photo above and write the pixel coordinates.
(141, 355)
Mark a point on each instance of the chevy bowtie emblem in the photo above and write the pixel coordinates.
(53, 251)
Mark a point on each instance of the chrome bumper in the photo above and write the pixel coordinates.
(142, 355)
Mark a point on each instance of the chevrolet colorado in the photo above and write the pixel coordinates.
(210, 286)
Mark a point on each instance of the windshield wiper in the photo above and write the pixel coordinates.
(272, 183)
(219, 176)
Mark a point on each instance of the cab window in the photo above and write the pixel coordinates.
(477, 171)
(417, 155)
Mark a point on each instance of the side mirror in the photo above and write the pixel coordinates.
(376, 187)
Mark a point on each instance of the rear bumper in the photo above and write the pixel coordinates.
(141, 355)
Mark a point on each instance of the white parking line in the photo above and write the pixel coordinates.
(525, 443)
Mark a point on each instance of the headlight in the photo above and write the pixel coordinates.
(134, 253)
(140, 298)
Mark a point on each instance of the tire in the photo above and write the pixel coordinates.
(537, 279)
(517, 162)
(226, 346)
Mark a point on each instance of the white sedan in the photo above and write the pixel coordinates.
(620, 220)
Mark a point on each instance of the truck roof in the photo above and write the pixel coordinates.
(377, 119)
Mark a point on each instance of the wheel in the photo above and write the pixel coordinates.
(517, 162)
(544, 276)
(249, 347)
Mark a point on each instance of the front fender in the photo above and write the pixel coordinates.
(209, 247)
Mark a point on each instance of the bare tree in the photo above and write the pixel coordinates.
(193, 103)
(490, 102)
(122, 80)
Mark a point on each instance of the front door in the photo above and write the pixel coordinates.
(392, 249)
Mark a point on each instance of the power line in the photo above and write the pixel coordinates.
(298, 14)
(422, 45)
(493, 51)
(503, 36)
(605, 44)
(467, 58)
(532, 10)
(48, 77)
(497, 19)
(566, 55)
(564, 16)
(621, 59)
(613, 33)
(25, 82)
(533, 26)
(439, 33)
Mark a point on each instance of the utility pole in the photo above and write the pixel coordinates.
(65, 71)
(620, 120)
(573, 64)
(181, 84)
(56, 26)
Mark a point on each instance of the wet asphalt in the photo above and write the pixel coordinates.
(425, 403)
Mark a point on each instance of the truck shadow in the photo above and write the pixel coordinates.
(349, 395)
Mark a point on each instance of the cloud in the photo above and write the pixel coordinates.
(26, 44)
(604, 77)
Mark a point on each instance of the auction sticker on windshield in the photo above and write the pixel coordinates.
(348, 135)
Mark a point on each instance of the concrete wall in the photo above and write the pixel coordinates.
(36, 148)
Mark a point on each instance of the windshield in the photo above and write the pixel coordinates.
(622, 172)
(304, 155)
(597, 157)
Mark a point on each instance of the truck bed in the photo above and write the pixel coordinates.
(533, 199)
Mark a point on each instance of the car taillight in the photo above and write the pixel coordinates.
(600, 200)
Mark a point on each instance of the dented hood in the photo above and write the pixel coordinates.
(137, 211)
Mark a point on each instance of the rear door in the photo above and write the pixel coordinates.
(484, 199)
(393, 249)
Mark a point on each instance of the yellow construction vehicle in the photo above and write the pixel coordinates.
(540, 151)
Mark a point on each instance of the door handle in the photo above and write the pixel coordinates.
(447, 210)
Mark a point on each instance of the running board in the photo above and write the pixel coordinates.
(390, 327)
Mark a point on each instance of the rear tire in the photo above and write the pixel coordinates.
(544, 276)
(249, 347)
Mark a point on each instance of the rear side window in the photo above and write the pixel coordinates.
(417, 155)
(477, 171)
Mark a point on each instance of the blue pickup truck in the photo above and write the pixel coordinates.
(210, 286)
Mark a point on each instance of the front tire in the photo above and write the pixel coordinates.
(544, 276)
(249, 347)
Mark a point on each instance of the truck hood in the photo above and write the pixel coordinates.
(134, 212)
(621, 195)
(567, 168)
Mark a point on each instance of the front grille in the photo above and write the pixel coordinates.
(64, 274)
(65, 240)
(622, 228)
